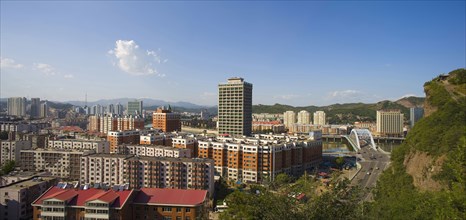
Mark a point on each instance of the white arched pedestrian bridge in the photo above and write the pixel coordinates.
(359, 138)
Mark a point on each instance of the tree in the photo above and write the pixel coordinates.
(8, 167)
(3, 135)
(282, 179)
(340, 161)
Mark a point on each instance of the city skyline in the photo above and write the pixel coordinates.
(296, 53)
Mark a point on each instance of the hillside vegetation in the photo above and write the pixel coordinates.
(428, 172)
(349, 112)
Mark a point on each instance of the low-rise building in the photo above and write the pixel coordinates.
(121, 204)
(78, 204)
(153, 203)
(72, 144)
(152, 139)
(16, 198)
(154, 151)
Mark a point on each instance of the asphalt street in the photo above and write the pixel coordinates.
(372, 162)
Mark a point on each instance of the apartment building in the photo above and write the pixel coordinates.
(130, 122)
(268, 126)
(154, 151)
(177, 173)
(235, 107)
(319, 118)
(16, 198)
(154, 203)
(17, 106)
(61, 163)
(152, 139)
(122, 137)
(185, 142)
(72, 144)
(113, 122)
(10, 150)
(35, 108)
(108, 123)
(79, 204)
(166, 120)
(304, 117)
(134, 107)
(255, 159)
(93, 123)
(289, 118)
(390, 123)
(103, 168)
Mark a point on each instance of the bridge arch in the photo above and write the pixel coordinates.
(361, 138)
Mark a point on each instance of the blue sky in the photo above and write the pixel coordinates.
(296, 53)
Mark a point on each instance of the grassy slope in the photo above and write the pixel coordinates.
(443, 133)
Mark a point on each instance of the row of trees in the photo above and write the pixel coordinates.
(340, 201)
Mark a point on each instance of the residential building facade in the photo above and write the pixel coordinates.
(16, 198)
(319, 118)
(10, 150)
(289, 118)
(166, 120)
(164, 172)
(79, 204)
(134, 107)
(235, 107)
(304, 117)
(154, 151)
(60, 163)
(103, 168)
(122, 137)
(254, 160)
(17, 106)
(72, 144)
(154, 203)
(390, 123)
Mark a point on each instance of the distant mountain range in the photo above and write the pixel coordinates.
(147, 103)
(336, 113)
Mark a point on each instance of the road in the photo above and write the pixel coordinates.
(372, 164)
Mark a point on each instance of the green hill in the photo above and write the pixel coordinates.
(346, 113)
(427, 177)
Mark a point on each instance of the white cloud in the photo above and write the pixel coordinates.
(345, 94)
(47, 69)
(408, 95)
(68, 76)
(9, 63)
(134, 60)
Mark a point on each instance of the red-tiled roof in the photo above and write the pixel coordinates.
(80, 197)
(171, 196)
(105, 196)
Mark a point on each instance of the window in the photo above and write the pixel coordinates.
(178, 209)
(188, 209)
(166, 209)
